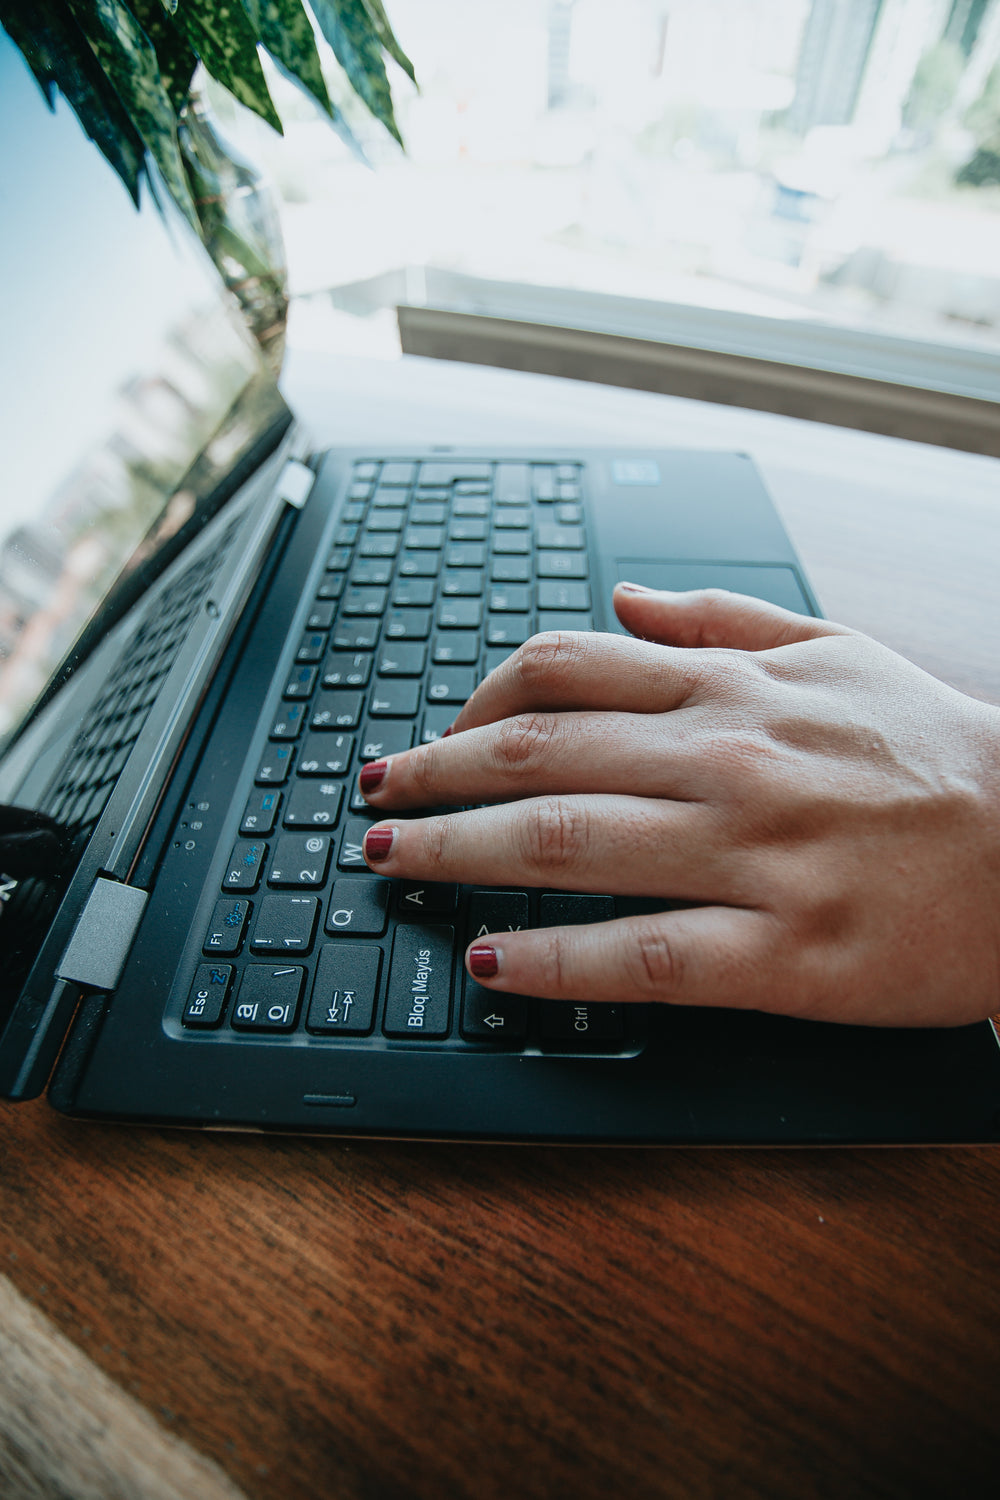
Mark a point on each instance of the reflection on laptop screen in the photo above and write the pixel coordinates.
(120, 362)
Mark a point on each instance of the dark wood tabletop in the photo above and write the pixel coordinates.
(381, 1321)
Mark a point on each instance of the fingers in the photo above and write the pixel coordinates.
(565, 669)
(712, 617)
(625, 845)
(535, 753)
(710, 955)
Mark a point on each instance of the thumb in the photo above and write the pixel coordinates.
(714, 617)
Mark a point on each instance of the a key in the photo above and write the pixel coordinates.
(510, 599)
(465, 555)
(386, 520)
(382, 737)
(314, 804)
(408, 625)
(420, 565)
(325, 754)
(461, 647)
(450, 684)
(354, 635)
(489, 1016)
(511, 543)
(275, 764)
(400, 472)
(260, 813)
(311, 646)
(288, 724)
(346, 989)
(561, 538)
(395, 699)
(463, 583)
(556, 594)
(508, 630)
(471, 505)
(268, 998)
(402, 660)
(207, 997)
(428, 513)
(569, 515)
(512, 518)
(347, 669)
(371, 571)
(418, 995)
(301, 683)
(363, 601)
(424, 538)
(580, 1022)
(496, 656)
(467, 529)
(339, 560)
(419, 592)
(332, 586)
(512, 485)
(561, 564)
(244, 868)
(300, 860)
(225, 931)
(564, 620)
(284, 924)
(345, 535)
(574, 911)
(358, 906)
(421, 899)
(497, 911)
(320, 617)
(436, 721)
(543, 481)
(380, 545)
(460, 614)
(510, 570)
(336, 711)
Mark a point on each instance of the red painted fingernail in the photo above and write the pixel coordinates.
(483, 960)
(373, 775)
(448, 731)
(379, 842)
(635, 588)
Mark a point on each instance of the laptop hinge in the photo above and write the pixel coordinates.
(294, 483)
(96, 952)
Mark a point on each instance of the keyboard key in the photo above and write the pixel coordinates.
(260, 813)
(311, 646)
(314, 804)
(347, 670)
(567, 473)
(379, 545)
(321, 615)
(325, 754)
(458, 646)
(387, 499)
(420, 592)
(569, 515)
(556, 594)
(367, 471)
(225, 932)
(425, 538)
(421, 899)
(448, 471)
(512, 485)
(398, 472)
(465, 555)
(395, 699)
(339, 560)
(354, 512)
(564, 620)
(450, 684)
(336, 711)
(511, 570)
(355, 635)
(492, 1017)
(408, 625)
(561, 538)
(436, 721)
(358, 906)
(431, 513)
(543, 481)
(511, 599)
(350, 856)
(364, 601)
(275, 765)
(464, 583)
(332, 587)
(420, 565)
(386, 520)
(207, 997)
(345, 536)
(580, 1022)
(496, 656)
(497, 911)
(471, 505)
(300, 861)
(575, 911)
(561, 564)
(382, 737)
(289, 722)
(346, 988)
(245, 865)
(511, 543)
(268, 998)
(404, 660)
(508, 630)
(418, 996)
(472, 487)
(301, 683)
(460, 614)
(467, 529)
(368, 571)
(284, 924)
(512, 518)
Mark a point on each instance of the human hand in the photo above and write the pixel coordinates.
(831, 812)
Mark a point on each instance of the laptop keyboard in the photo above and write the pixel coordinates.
(438, 571)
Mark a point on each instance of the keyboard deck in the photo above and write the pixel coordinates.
(438, 571)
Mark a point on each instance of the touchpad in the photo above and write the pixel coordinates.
(777, 583)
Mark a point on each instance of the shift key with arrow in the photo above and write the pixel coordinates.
(488, 1015)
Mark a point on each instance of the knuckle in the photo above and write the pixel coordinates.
(437, 843)
(521, 743)
(424, 769)
(546, 658)
(555, 833)
(654, 964)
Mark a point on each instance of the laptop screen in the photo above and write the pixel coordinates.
(122, 362)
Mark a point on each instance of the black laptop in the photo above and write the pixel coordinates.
(206, 629)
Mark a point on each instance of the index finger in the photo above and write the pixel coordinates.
(570, 669)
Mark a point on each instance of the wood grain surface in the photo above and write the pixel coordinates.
(385, 1321)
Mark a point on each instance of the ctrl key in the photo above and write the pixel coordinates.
(207, 999)
(268, 999)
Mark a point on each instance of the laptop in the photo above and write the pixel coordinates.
(206, 629)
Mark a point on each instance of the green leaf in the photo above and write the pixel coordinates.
(176, 60)
(222, 35)
(129, 63)
(385, 35)
(348, 27)
(287, 33)
(58, 55)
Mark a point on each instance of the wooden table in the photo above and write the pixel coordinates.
(385, 1321)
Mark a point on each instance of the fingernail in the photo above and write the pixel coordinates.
(483, 961)
(635, 588)
(379, 842)
(372, 776)
(448, 731)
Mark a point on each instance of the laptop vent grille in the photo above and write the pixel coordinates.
(89, 774)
